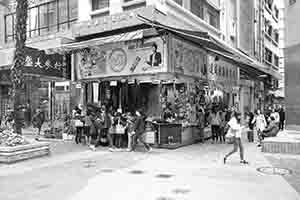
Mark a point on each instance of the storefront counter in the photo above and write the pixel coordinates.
(168, 133)
(172, 135)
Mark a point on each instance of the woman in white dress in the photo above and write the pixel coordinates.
(235, 129)
(260, 122)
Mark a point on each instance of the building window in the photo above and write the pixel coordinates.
(269, 4)
(48, 17)
(197, 8)
(270, 30)
(276, 12)
(276, 60)
(276, 36)
(292, 2)
(268, 55)
(99, 4)
(178, 2)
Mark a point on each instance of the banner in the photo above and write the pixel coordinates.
(122, 58)
(188, 58)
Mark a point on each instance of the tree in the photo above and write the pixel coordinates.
(19, 61)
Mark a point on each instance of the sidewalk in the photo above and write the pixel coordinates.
(194, 172)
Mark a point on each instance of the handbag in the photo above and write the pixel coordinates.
(119, 128)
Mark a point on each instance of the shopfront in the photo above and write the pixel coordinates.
(40, 73)
(151, 73)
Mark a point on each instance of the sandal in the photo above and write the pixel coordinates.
(244, 162)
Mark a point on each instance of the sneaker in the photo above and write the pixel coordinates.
(111, 149)
(129, 150)
(93, 147)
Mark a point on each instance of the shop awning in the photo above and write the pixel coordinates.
(99, 41)
(213, 44)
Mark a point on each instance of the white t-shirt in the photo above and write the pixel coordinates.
(235, 127)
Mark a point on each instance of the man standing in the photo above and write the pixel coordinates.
(38, 120)
(139, 129)
(281, 118)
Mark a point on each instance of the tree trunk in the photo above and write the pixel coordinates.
(19, 62)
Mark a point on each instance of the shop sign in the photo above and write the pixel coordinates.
(187, 58)
(221, 70)
(121, 59)
(39, 63)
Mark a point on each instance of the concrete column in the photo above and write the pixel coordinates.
(84, 9)
(115, 6)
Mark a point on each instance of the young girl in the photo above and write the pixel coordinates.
(236, 130)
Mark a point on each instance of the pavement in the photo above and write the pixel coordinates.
(73, 172)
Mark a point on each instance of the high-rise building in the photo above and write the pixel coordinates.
(292, 62)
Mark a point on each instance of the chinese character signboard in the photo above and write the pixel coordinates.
(122, 58)
(54, 65)
(188, 58)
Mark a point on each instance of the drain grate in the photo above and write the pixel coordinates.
(164, 198)
(107, 170)
(137, 172)
(164, 175)
(274, 171)
(89, 163)
(181, 191)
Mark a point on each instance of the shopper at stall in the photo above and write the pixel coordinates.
(38, 120)
(130, 130)
(201, 123)
(107, 119)
(215, 122)
(79, 127)
(139, 129)
(119, 124)
(88, 130)
(235, 131)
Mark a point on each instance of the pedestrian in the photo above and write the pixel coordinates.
(250, 126)
(260, 122)
(281, 117)
(130, 130)
(276, 116)
(215, 121)
(236, 131)
(38, 120)
(120, 126)
(88, 129)
(79, 127)
(139, 129)
(201, 123)
(271, 131)
(223, 125)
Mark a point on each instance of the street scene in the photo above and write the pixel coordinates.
(149, 99)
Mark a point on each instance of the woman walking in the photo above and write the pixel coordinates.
(38, 120)
(235, 129)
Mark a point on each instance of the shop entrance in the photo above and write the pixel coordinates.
(125, 95)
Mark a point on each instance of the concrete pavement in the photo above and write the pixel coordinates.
(194, 172)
